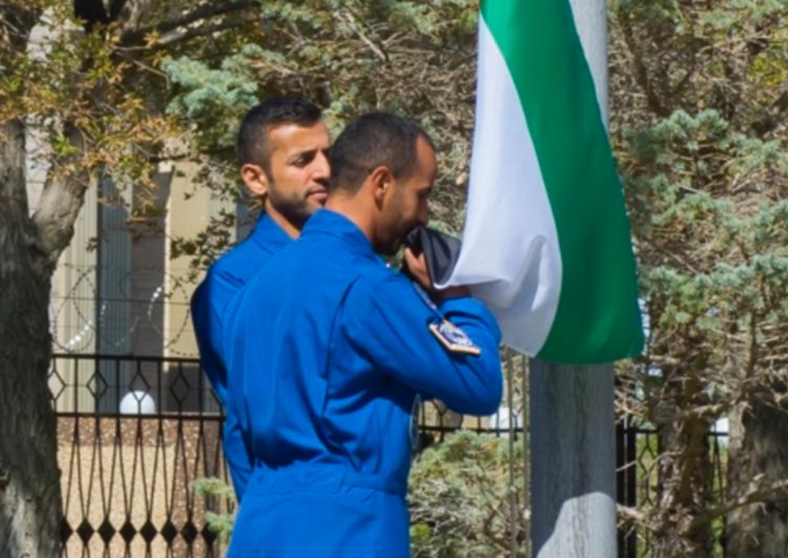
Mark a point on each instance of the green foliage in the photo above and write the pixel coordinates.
(216, 97)
(82, 95)
(698, 120)
(712, 231)
(213, 489)
(460, 497)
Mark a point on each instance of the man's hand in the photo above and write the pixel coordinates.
(417, 269)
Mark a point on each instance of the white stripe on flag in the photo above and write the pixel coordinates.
(510, 254)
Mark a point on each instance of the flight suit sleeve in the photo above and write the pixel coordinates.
(208, 331)
(388, 323)
(206, 305)
(238, 453)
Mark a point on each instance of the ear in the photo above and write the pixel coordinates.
(255, 179)
(382, 182)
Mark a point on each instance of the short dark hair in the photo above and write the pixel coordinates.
(372, 140)
(252, 145)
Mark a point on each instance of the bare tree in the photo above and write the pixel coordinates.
(80, 95)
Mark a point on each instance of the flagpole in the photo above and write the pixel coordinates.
(572, 420)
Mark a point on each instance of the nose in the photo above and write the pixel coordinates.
(322, 169)
(424, 214)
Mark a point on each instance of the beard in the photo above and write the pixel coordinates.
(392, 242)
(292, 207)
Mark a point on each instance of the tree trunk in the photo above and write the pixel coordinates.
(757, 454)
(30, 499)
(685, 473)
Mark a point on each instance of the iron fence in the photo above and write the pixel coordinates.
(638, 482)
(135, 432)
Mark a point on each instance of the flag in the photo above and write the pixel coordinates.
(547, 239)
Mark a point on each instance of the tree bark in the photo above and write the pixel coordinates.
(30, 245)
(30, 499)
(757, 454)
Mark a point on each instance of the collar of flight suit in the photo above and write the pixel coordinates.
(331, 223)
(269, 236)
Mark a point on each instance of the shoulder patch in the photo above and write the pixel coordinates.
(453, 338)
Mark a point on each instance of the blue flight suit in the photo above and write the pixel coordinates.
(328, 348)
(224, 279)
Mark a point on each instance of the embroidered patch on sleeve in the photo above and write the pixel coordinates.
(453, 338)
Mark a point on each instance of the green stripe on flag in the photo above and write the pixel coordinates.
(598, 319)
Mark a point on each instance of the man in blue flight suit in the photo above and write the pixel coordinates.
(328, 348)
(282, 156)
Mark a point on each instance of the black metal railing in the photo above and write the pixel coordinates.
(638, 481)
(135, 432)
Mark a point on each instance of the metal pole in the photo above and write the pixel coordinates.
(572, 424)
(572, 461)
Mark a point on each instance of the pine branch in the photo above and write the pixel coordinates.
(205, 11)
(185, 34)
